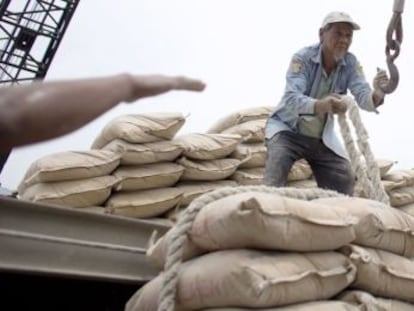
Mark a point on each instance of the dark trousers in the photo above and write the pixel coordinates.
(330, 170)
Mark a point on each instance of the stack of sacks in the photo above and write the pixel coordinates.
(257, 250)
(72, 178)
(260, 250)
(249, 124)
(383, 250)
(207, 165)
(148, 172)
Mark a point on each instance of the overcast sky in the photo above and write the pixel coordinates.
(240, 48)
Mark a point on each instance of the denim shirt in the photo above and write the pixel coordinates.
(302, 80)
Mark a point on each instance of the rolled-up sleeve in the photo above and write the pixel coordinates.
(360, 88)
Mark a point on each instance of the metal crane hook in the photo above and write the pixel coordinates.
(392, 50)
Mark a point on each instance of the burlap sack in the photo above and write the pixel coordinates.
(254, 176)
(141, 128)
(137, 154)
(401, 196)
(241, 116)
(401, 176)
(250, 131)
(208, 170)
(388, 186)
(70, 165)
(254, 279)
(368, 302)
(409, 209)
(300, 171)
(384, 166)
(309, 306)
(145, 203)
(382, 273)
(262, 221)
(379, 226)
(248, 176)
(208, 146)
(193, 189)
(255, 153)
(74, 193)
(149, 176)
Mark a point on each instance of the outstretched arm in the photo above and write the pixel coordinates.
(43, 110)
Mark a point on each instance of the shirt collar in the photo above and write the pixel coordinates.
(317, 58)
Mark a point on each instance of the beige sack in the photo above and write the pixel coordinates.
(261, 221)
(208, 170)
(193, 189)
(145, 203)
(137, 154)
(74, 193)
(309, 306)
(241, 116)
(370, 303)
(208, 146)
(300, 171)
(150, 176)
(384, 166)
(248, 176)
(70, 165)
(401, 176)
(409, 209)
(382, 273)
(255, 153)
(249, 278)
(250, 131)
(379, 226)
(401, 196)
(141, 128)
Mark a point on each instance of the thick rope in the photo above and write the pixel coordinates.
(368, 173)
(166, 300)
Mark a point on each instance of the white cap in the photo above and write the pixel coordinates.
(339, 17)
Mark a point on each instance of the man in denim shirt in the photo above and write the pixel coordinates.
(302, 126)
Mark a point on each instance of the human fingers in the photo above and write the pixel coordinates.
(190, 84)
(339, 107)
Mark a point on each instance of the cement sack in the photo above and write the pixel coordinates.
(262, 221)
(150, 176)
(193, 189)
(401, 176)
(409, 209)
(250, 131)
(401, 196)
(70, 165)
(368, 302)
(141, 128)
(145, 203)
(380, 226)
(382, 273)
(255, 153)
(211, 170)
(74, 193)
(138, 154)
(309, 306)
(241, 116)
(254, 279)
(198, 146)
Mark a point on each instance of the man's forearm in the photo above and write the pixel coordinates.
(31, 113)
